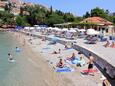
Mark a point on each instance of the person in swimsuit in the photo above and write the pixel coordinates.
(107, 44)
(112, 45)
(72, 57)
(90, 63)
(60, 64)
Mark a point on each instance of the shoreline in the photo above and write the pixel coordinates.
(50, 78)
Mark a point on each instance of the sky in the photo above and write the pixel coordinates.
(77, 7)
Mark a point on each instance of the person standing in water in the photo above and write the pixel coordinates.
(10, 56)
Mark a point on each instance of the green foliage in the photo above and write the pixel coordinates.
(68, 17)
(37, 14)
(7, 18)
(99, 12)
(86, 15)
(21, 21)
(54, 19)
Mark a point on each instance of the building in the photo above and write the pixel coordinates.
(2, 4)
(100, 24)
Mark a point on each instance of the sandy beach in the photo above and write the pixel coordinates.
(38, 73)
(45, 62)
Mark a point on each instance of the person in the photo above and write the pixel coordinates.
(90, 63)
(112, 45)
(107, 44)
(43, 38)
(81, 62)
(66, 47)
(105, 81)
(72, 57)
(10, 56)
(55, 52)
(17, 49)
(24, 42)
(60, 64)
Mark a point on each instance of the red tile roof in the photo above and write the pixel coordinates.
(97, 20)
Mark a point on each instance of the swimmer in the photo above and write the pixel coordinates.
(17, 49)
(10, 57)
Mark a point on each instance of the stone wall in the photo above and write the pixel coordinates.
(108, 68)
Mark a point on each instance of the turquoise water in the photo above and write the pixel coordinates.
(6, 46)
(8, 71)
(23, 72)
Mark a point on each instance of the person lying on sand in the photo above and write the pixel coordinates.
(112, 45)
(60, 64)
(107, 44)
(55, 52)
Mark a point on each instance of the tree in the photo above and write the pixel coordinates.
(99, 12)
(54, 19)
(7, 18)
(21, 21)
(68, 17)
(87, 15)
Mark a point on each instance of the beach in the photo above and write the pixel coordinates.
(28, 70)
(50, 60)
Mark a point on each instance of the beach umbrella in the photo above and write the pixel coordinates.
(72, 30)
(32, 28)
(81, 30)
(64, 29)
(92, 32)
(36, 25)
(57, 29)
(38, 28)
(26, 28)
(49, 28)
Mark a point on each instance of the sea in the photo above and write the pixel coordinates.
(10, 72)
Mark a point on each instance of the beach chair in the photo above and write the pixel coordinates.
(103, 39)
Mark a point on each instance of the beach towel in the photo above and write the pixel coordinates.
(82, 62)
(64, 69)
(69, 49)
(74, 61)
(90, 71)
